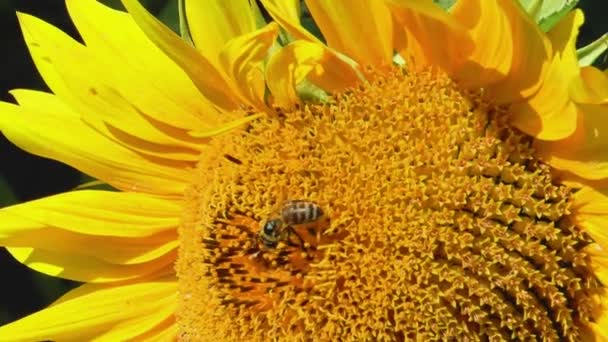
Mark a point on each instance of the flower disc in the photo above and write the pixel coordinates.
(439, 223)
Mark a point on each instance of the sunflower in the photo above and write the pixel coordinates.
(456, 161)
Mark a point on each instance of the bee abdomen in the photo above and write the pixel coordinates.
(299, 212)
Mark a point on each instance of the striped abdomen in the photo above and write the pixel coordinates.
(300, 212)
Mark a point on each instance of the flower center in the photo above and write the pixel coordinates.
(437, 221)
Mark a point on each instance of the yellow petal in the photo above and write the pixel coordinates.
(44, 134)
(550, 114)
(491, 56)
(167, 330)
(96, 212)
(585, 152)
(87, 88)
(599, 261)
(591, 87)
(234, 124)
(428, 36)
(93, 236)
(109, 249)
(591, 206)
(289, 9)
(563, 39)
(86, 269)
(213, 23)
(207, 79)
(510, 54)
(286, 13)
(530, 57)
(360, 29)
(140, 71)
(346, 70)
(97, 311)
(186, 150)
(242, 58)
(599, 326)
(301, 59)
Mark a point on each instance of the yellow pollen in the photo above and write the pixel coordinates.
(439, 223)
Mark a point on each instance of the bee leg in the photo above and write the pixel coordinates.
(292, 232)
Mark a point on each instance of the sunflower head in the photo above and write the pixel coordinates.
(437, 212)
(429, 175)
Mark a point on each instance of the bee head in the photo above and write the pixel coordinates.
(272, 228)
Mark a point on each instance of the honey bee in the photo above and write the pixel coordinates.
(292, 213)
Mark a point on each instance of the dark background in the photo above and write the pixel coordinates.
(25, 177)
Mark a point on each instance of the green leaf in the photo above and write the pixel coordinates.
(445, 4)
(311, 93)
(549, 20)
(590, 53)
(547, 13)
(532, 7)
(184, 29)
